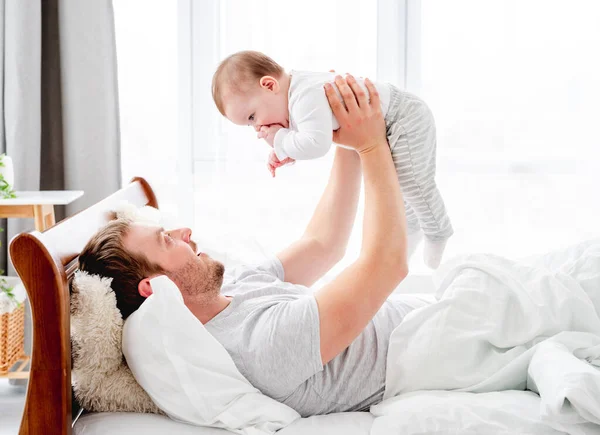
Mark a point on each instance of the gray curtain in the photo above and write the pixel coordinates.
(58, 103)
(20, 70)
(59, 100)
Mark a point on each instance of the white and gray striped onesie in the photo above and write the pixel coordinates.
(411, 135)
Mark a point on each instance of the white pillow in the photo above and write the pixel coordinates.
(188, 373)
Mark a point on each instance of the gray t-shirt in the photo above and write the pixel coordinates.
(271, 331)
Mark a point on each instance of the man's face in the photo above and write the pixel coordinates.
(195, 273)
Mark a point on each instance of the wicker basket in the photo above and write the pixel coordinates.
(12, 338)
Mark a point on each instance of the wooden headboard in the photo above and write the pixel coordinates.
(46, 263)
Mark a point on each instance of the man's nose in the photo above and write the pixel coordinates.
(184, 234)
(187, 235)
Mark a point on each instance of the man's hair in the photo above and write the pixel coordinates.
(105, 255)
(238, 71)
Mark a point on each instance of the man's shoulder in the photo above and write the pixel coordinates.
(266, 278)
(267, 269)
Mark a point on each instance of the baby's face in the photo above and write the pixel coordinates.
(257, 107)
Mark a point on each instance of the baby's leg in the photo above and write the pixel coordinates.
(414, 235)
(414, 153)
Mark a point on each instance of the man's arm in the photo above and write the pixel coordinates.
(324, 241)
(347, 304)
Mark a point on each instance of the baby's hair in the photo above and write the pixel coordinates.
(239, 70)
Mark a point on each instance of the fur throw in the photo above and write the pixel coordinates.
(101, 379)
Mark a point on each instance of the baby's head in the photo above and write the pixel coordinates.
(250, 88)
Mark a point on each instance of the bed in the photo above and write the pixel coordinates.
(46, 262)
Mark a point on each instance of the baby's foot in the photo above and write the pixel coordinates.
(433, 252)
(412, 242)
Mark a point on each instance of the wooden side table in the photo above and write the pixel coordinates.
(37, 205)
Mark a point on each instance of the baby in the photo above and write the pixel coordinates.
(290, 111)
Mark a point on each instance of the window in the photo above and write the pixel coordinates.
(147, 47)
(515, 92)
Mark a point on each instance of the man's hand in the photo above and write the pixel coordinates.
(267, 132)
(362, 125)
(275, 163)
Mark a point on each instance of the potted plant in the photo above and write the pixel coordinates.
(7, 177)
(8, 300)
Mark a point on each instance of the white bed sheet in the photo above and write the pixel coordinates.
(125, 423)
(424, 412)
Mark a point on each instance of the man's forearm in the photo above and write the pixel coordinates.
(332, 221)
(384, 224)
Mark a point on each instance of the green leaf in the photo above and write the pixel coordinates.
(7, 290)
(6, 190)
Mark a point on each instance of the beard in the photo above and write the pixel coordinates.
(199, 284)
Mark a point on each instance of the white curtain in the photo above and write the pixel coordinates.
(514, 88)
(148, 82)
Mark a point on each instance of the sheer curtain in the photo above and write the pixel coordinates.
(147, 51)
(515, 92)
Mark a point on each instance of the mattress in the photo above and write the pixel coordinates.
(125, 423)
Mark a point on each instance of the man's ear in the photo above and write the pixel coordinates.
(144, 287)
(269, 83)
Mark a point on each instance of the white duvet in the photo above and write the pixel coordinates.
(501, 325)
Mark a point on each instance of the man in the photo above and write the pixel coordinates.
(317, 352)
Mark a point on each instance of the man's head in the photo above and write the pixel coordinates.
(132, 254)
(248, 90)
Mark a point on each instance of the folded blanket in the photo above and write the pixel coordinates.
(505, 325)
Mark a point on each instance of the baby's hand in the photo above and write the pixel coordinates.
(268, 133)
(275, 163)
